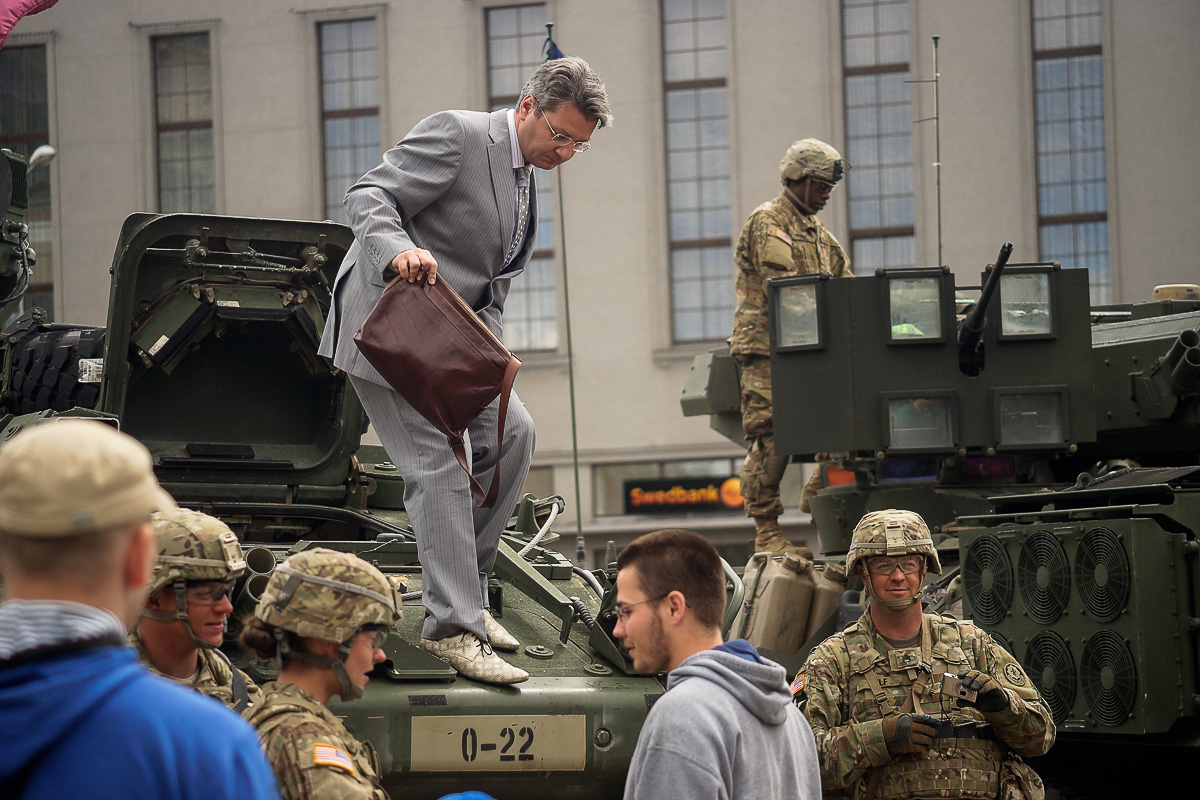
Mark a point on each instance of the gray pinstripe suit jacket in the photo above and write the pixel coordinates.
(447, 187)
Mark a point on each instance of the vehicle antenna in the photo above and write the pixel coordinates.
(937, 138)
(562, 237)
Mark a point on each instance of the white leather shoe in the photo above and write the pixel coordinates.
(498, 637)
(474, 659)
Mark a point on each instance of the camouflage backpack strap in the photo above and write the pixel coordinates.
(237, 683)
(862, 657)
(913, 703)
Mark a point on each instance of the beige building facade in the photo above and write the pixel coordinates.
(1067, 127)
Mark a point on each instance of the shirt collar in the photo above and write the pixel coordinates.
(27, 625)
(518, 160)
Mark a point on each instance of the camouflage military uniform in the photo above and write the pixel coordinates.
(312, 753)
(214, 677)
(778, 241)
(855, 678)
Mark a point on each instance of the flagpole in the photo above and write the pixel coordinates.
(552, 51)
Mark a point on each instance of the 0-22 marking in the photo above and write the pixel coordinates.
(472, 747)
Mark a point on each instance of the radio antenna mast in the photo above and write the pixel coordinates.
(937, 138)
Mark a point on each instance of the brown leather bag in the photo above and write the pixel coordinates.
(434, 350)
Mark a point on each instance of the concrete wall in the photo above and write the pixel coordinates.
(784, 83)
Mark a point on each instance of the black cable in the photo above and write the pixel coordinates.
(588, 620)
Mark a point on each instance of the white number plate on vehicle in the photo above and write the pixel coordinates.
(497, 742)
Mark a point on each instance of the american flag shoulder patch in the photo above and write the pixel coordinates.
(330, 756)
(782, 235)
(798, 684)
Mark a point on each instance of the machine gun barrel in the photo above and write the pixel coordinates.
(974, 323)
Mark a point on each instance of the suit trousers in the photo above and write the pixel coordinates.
(455, 540)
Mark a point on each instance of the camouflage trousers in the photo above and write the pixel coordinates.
(762, 470)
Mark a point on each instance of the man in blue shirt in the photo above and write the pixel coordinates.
(79, 716)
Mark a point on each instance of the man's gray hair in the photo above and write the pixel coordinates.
(569, 81)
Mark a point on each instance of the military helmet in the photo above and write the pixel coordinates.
(812, 157)
(194, 547)
(892, 532)
(326, 595)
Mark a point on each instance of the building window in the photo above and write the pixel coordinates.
(1069, 117)
(514, 49)
(25, 126)
(349, 107)
(183, 111)
(698, 191)
(539, 482)
(878, 133)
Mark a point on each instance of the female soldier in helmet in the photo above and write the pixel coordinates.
(324, 615)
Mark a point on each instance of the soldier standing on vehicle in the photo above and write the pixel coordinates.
(324, 616)
(874, 692)
(79, 716)
(184, 618)
(783, 237)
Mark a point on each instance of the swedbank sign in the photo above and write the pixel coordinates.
(676, 495)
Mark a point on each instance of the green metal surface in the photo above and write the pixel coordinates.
(210, 360)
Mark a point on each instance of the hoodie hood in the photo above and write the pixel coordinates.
(42, 701)
(761, 688)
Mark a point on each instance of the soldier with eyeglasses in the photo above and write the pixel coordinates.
(185, 615)
(882, 695)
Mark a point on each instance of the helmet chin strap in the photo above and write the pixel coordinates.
(338, 665)
(803, 204)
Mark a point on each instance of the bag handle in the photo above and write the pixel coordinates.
(460, 453)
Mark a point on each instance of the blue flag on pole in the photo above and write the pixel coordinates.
(550, 47)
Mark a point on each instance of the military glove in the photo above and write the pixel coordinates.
(990, 696)
(909, 733)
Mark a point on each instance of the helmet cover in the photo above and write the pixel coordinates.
(327, 595)
(812, 157)
(194, 547)
(892, 532)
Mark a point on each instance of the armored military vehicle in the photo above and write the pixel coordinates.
(1054, 449)
(209, 358)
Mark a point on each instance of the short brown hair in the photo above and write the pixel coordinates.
(680, 560)
(84, 559)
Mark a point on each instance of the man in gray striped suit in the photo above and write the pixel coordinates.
(454, 200)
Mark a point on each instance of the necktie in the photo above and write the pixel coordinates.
(522, 211)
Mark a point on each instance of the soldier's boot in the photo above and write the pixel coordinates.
(769, 537)
(814, 485)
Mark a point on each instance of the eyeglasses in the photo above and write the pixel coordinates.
(824, 187)
(377, 637)
(624, 611)
(909, 565)
(562, 140)
(209, 593)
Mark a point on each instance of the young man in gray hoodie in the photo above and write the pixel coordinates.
(726, 728)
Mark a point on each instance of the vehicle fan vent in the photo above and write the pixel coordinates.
(988, 579)
(1102, 574)
(1051, 668)
(1108, 677)
(1044, 577)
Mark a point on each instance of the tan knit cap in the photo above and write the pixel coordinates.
(72, 476)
